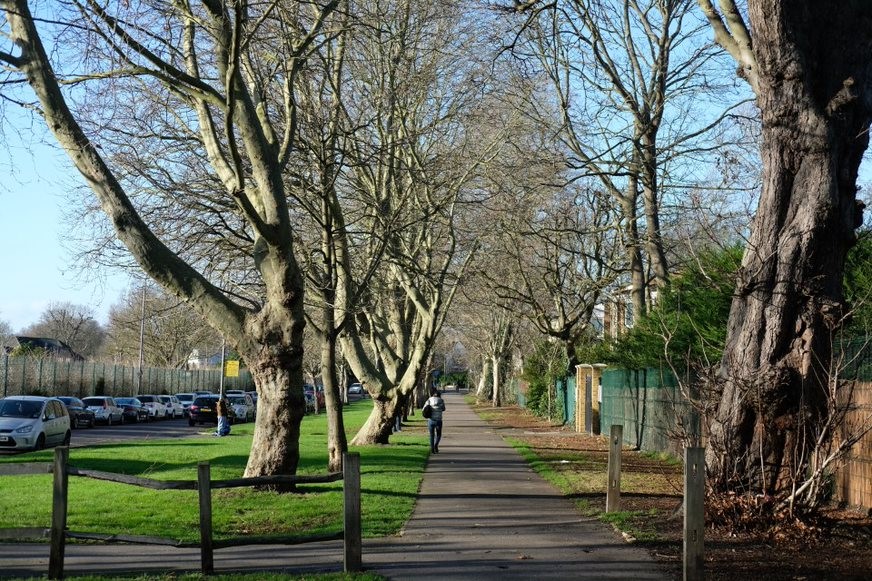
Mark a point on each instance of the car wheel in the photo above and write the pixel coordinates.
(67, 438)
(40, 442)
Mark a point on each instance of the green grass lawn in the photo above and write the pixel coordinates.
(390, 479)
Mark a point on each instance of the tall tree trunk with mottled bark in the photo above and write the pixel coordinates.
(810, 65)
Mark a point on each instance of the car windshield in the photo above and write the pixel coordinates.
(16, 408)
(236, 399)
(68, 400)
(185, 396)
(127, 401)
(93, 402)
(207, 401)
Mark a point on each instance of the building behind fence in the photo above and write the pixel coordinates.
(47, 376)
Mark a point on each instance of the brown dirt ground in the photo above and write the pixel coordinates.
(838, 545)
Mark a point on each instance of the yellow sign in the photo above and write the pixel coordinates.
(231, 369)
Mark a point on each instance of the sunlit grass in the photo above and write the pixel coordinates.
(390, 479)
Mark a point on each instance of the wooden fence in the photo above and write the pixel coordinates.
(854, 477)
(204, 485)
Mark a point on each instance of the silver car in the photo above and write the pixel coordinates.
(30, 422)
(105, 409)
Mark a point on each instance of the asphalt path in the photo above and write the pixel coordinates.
(102, 434)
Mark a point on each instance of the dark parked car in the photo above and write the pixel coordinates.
(204, 410)
(132, 410)
(80, 415)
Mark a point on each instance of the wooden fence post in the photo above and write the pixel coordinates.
(351, 486)
(204, 488)
(613, 494)
(694, 513)
(58, 513)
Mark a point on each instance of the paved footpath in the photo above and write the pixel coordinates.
(481, 514)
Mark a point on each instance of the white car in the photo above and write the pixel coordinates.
(243, 406)
(186, 399)
(175, 409)
(157, 410)
(105, 409)
(30, 422)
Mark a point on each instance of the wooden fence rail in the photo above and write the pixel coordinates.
(58, 533)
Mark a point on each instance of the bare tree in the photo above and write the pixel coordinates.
(628, 77)
(168, 331)
(563, 253)
(73, 324)
(417, 92)
(809, 66)
(219, 118)
(7, 338)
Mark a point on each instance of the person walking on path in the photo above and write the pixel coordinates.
(434, 419)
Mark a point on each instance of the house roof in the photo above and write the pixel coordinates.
(55, 347)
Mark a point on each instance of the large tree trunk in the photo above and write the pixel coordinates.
(481, 391)
(496, 400)
(275, 448)
(337, 441)
(379, 425)
(633, 246)
(814, 94)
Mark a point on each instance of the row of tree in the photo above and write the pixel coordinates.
(357, 168)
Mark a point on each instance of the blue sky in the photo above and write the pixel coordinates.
(35, 265)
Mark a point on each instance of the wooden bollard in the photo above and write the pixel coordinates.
(351, 486)
(59, 503)
(613, 493)
(204, 489)
(694, 513)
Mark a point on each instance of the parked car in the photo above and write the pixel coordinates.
(173, 405)
(132, 409)
(242, 406)
(186, 399)
(31, 422)
(106, 411)
(204, 411)
(157, 409)
(355, 389)
(253, 395)
(80, 415)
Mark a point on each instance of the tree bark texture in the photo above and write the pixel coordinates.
(337, 441)
(379, 425)
(814, 90)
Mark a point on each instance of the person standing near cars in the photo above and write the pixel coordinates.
(223, 422)
(436, 407)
